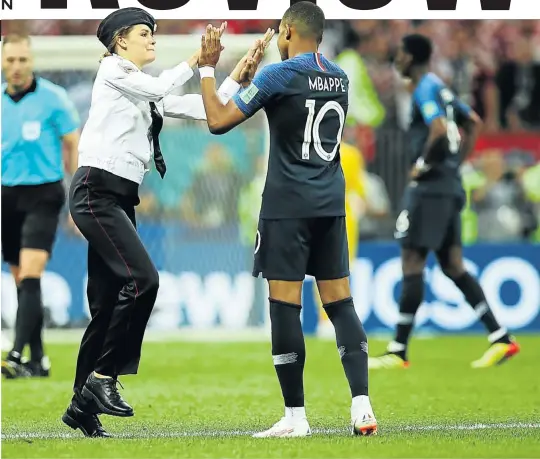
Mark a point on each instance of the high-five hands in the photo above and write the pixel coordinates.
(244, 71)
(247, 66)
(211, 45)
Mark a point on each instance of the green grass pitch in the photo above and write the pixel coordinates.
(202, 399)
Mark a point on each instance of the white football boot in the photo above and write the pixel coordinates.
(363, 420)
(293, 424)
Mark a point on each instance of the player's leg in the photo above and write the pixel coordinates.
(281, 253)
(329, 263)
(420, 227)
(413, 261)
(288, 348)
(450, 258)
(325, 324)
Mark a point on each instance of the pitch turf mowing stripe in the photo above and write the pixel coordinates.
(237, 433)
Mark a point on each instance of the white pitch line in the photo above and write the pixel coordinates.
(237, 433)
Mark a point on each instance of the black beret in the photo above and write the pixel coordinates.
(124, 17)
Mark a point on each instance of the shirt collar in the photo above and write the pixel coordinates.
(126, 62)
(17, 97)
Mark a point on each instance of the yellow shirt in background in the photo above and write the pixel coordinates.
(352, 163)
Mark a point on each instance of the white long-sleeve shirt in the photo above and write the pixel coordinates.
(116, 135)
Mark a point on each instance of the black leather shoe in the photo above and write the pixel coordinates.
(106, 396)
(89, 424)
(82, 404)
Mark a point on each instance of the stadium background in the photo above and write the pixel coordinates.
(199, 222)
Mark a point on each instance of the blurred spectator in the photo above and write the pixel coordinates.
(365, 108)
(377, 222)
(519, 85)
(471, 76)
(366, 111)
(249, 203)
(211, 200)
(531, 186)
(249, 206)
(504, 213)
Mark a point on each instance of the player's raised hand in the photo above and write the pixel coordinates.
(260, 46)
(222, 28)
(221, 31)
(268, 38)
(253, 58)
(239, 74)
(211, 46)
(248, 71)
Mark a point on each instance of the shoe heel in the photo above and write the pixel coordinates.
(69, 421)
(87, 394)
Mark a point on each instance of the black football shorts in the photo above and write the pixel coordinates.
(290, 249)
(429, 221)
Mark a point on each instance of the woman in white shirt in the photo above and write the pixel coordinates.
(116, 147)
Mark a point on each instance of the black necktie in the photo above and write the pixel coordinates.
(155, 129)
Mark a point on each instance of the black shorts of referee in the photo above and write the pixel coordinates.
(30, 215)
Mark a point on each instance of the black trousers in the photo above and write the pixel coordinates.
(122, 280)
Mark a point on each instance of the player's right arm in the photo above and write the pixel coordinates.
(266, 86)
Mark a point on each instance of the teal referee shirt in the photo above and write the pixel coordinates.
(32, 131)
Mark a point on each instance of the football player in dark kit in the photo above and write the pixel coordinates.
(432, 203)
(302, 219)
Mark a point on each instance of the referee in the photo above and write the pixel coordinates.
(38, 124)
(118, 144)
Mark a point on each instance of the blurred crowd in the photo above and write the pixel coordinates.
(492, 65)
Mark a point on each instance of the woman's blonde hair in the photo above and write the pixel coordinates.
(120, 33)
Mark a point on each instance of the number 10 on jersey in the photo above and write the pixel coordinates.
(312, 132)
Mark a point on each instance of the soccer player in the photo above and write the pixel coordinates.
(430, 219)
(38, 123)
(301, 228)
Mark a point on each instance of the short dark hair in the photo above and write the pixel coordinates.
(307, 18)
(419, 47)
(15, 38)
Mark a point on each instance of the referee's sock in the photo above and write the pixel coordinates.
(29, 313)
(352, 344)
(36, 339)
(288, 353)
